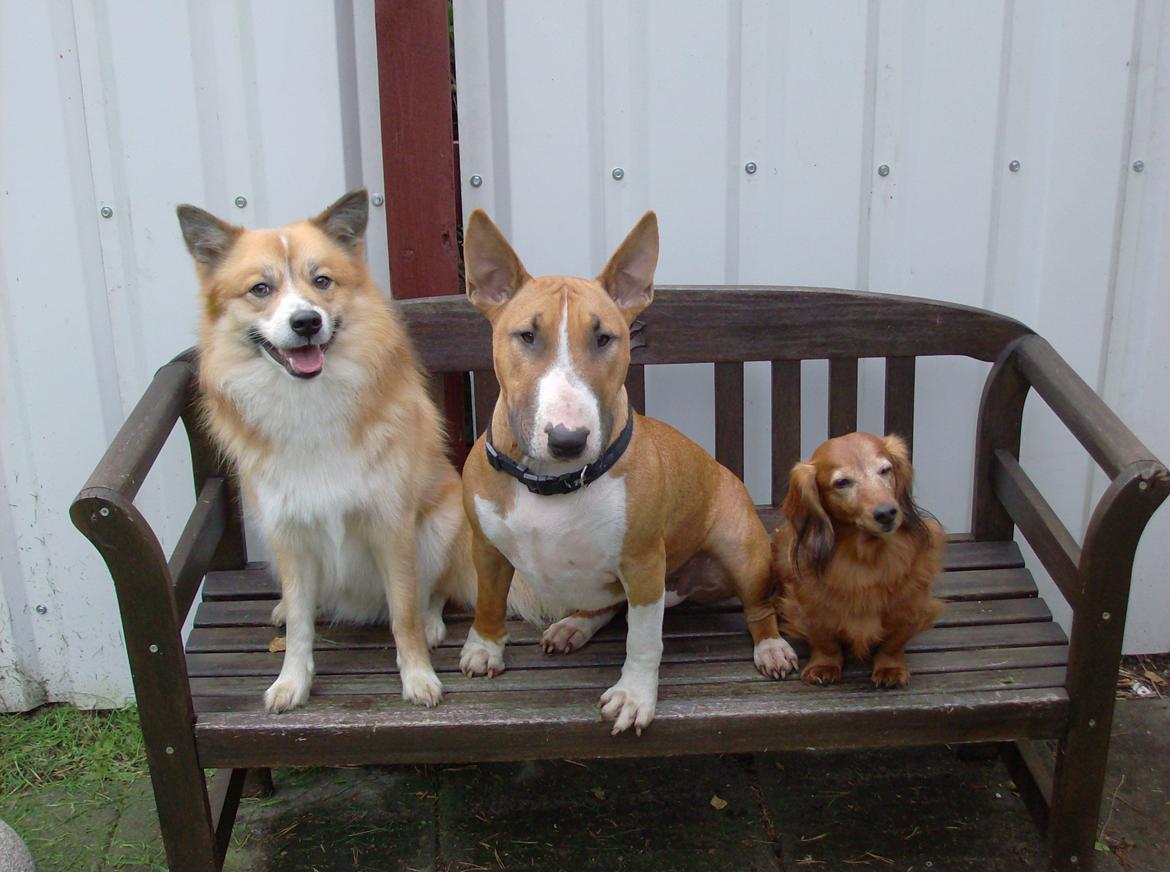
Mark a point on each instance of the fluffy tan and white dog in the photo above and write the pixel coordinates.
(311, 387)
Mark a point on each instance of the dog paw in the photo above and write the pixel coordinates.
(821, 673)
(421, 686)
(891, 676)
(775, 658)
(629, 705)
(481, 656)
(436, 630)
(287, 692)
(565, 636)
(278, 614)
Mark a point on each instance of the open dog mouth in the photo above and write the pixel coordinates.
(304, 361)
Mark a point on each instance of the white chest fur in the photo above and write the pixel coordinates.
(308, 472)
(568, 547)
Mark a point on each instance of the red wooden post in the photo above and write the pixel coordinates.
(418, 163)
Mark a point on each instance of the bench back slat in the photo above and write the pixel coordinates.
(729, 416)
(636, 387)
(785, 424)
(486, 391)
(900, 399)
(842, 395)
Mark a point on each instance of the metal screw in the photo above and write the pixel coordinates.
(106, 212)
(1139, 165)
(42, 609)
(170, 750)
(618, 174)
(476, 181)
(1014, 166)
(1105, 616)
(241, 201)
(1143, 485)
(104, 512)
(1074, 859)
(884, 170)
(1092, 722)
(377, 200)
(154, 649)
(750, 167)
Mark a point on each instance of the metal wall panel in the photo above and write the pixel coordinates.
(137, 106)
(140, 106)
(554, 94)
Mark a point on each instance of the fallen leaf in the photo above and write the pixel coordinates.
(598, 792)
(718, 803)
(276, 645)
(1155, 677)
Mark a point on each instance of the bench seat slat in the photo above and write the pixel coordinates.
(257, 582)
(699, 680)
(743, 717)
(381, 662)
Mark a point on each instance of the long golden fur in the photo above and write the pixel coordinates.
(855, 559)
(336, 440)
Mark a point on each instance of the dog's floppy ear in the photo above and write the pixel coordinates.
(812, 539)
(345, 221)
(629, 275)
(208, 239)
(899, 454)
(494, 272)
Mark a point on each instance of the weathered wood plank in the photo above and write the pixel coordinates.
(360, 730)
(486, 391)
(382, 662)
(606, 648)
(636, 388)
(785, 424)
(899, 402)
(198, 542)
(842, 395)
(729, 416)
(218, 691)
(1041, 526)
(697, 325)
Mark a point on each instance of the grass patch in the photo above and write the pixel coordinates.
(60, 743)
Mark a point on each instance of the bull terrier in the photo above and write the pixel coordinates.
(590, 503)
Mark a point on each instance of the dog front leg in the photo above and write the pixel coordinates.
(300, 580)
(395, 554)
(483, 652)
(825, 661)
(632, 701)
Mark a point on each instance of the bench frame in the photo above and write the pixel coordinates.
(726, 326)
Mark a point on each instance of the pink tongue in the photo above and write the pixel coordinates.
(307, 359)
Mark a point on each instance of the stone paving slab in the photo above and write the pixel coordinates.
(897, 810)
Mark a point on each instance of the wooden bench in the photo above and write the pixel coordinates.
(995, 669)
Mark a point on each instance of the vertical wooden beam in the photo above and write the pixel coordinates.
(900, 398)
(418, 164)
(842, 395)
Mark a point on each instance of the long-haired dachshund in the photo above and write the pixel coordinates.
(855, 558)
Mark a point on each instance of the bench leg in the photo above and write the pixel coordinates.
(184, 808)
(1077, 785)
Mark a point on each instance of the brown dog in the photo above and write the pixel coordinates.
(592, 504)
(855, 560)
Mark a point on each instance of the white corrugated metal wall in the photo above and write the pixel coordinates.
(139, 106)
(683, 94)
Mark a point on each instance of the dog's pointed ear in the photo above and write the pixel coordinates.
(208, 239)
(494, 271)
(629, 275)
(813, 538)
(345, 221)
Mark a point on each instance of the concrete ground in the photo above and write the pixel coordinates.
(907, 810)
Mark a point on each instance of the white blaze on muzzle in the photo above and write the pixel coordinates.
(564, 399)
(303, 353)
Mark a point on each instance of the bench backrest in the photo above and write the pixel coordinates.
(728, 326)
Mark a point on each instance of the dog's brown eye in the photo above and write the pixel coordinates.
(885, 470)
(323, 282)
(842, 483)
(527, 337)
(603, 340)
(260, 289)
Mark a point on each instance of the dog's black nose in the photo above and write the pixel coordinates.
(565, 444)
(885, 515)
(305, 322)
